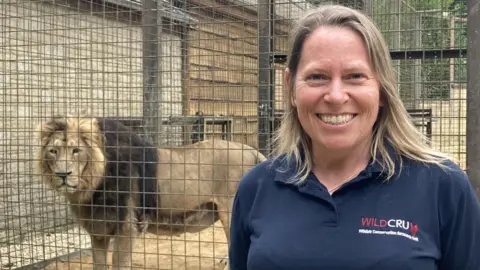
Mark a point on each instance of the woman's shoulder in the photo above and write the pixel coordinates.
(447, 182)
(263, 175)
(447, 174)
(258, 174)
(458, 213)
(453, 181)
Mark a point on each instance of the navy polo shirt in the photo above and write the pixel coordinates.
(426, 218)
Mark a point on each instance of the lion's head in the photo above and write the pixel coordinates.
(70, 158)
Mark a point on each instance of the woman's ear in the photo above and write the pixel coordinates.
(287, 80)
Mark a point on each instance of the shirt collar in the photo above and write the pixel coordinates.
(286, 168)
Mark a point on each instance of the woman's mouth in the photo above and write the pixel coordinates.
(338, 119)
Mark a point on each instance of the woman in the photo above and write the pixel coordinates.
(352, 185)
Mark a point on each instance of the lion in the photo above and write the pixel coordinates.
(119, 185)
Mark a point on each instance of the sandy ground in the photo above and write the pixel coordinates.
(187, 251)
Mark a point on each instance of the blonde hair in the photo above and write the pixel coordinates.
(393, 125)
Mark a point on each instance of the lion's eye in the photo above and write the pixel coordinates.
(76, 150)
(53, 151)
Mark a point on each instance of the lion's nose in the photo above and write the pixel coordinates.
(63, 175)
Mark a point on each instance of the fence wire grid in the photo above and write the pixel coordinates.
(177, 72)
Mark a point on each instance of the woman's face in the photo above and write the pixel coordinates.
(336, 91)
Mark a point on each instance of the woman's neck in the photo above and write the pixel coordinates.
(335, 168)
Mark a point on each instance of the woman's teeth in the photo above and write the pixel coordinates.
(336, 119)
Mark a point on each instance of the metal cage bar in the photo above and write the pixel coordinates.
(473, 94)
(151, 79)
(265, 76)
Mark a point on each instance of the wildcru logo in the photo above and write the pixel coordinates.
(395, 227)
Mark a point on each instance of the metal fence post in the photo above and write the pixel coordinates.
(473, 94)
(152, 120)
(265, 97)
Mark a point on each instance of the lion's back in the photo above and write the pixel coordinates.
(213, 152)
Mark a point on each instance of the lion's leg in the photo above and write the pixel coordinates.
(224, 209)
(123, 244)
(122, 251)
(99, 252)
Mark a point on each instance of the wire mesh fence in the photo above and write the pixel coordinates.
(428, 44)
(179, 72)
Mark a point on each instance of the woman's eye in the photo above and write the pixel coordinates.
(76, 150)
(316, 77)
(53, 151)
(356, 76)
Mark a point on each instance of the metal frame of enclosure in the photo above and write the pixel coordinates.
(473, 95)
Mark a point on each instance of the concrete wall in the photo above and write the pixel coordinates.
(56, 58)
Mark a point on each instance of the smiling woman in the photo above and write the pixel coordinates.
(352, 183)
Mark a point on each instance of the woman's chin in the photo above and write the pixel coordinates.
(338, 144)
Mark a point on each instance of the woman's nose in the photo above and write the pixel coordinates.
(336, 93)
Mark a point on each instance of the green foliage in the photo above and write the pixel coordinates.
(401, 25)
(458, 8)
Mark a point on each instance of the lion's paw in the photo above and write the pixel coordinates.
(140, 224)
(223, 261)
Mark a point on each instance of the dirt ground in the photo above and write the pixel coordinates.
(184, 252)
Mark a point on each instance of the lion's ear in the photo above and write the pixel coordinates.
(46, 129)
(43, 132)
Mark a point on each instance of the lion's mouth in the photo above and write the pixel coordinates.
(63, 177)
(71, 186)
(65, 184)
